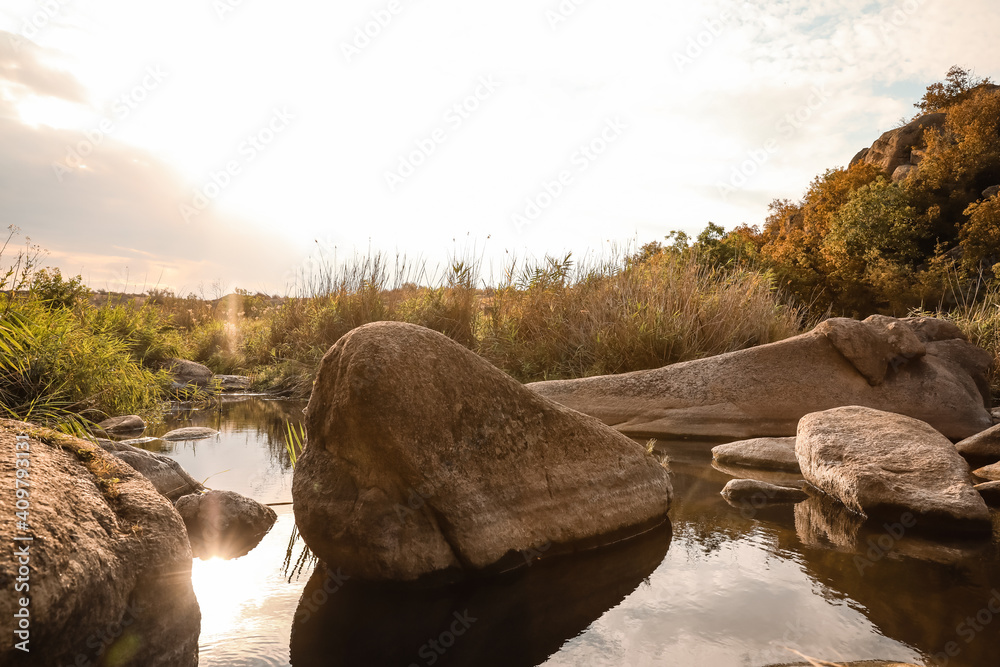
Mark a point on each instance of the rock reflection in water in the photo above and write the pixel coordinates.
(821, 522)
(519, 618)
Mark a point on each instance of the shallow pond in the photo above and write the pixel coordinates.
(722, 586)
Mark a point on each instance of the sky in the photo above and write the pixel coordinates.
(203, 145)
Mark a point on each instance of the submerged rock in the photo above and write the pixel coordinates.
(883, 464)
(768, 453)
(425, 459)
(758, 494)
(127, 425)
(190, 433)
(166, 474)
(224, 523)
(109, 561)
(920, 367)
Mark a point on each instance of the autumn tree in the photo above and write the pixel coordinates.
(955, 88)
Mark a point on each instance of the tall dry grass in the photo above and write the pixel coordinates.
(543, 319)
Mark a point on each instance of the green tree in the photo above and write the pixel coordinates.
(873, 246)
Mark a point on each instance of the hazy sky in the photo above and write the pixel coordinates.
(183, 142)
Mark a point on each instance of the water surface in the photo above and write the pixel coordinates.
(720, 586)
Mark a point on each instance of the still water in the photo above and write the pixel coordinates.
(719, 586)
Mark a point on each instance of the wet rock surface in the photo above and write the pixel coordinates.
(189, 433)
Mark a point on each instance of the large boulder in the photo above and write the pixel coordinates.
(767, 453)
(424, 459)
(921, 367)
(881, 464)
(224, 523)
(166, 474)
(108, 566)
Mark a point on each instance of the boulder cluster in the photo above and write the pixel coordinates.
(426, 461)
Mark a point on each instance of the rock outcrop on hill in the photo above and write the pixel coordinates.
(898, 151)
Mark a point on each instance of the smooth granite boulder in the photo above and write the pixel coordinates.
(881, 464)
(920, 367)
(766, 453)
(424, 459)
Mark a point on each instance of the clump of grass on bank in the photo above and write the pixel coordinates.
(63, 362)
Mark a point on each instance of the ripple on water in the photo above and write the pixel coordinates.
(248, 651)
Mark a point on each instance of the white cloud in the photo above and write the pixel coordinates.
(690, 126)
